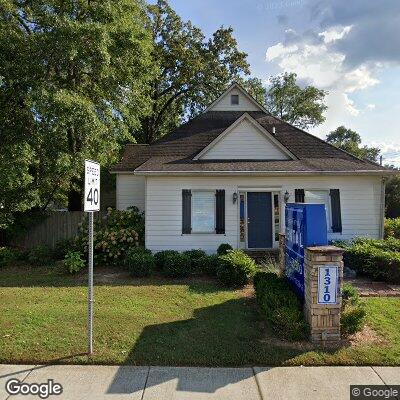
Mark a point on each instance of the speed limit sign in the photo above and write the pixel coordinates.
(92, 186)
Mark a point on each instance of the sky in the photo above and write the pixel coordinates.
(350, 48)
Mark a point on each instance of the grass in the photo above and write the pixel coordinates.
(162, 322)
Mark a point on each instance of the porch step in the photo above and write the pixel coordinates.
(263, 255)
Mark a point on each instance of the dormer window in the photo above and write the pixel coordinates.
(234, 99)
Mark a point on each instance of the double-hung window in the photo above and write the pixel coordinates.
(203, 211)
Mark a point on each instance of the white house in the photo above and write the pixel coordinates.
(224, 177)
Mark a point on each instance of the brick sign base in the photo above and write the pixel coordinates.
(324, 319)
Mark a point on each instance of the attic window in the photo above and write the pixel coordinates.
(234, 99)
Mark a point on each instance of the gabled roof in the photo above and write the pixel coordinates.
(178, 152)
(241, 89)
(175, 152)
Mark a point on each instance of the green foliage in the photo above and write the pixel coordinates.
(194, 255)
(392, 197)
(193, 70)
(113, 236)
(73, 78)
(62, 247)
(236, 268)
(140, 263)
(176, 265)
(40, 255)
(9, 256)
(377, 259)
(223, 249)
(301, 107)
(350, 141)
(280, 306)
(208, 264)
(73, 262)
(161, 256)
(392, 228)
(353, 313)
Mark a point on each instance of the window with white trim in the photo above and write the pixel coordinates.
(203, 211)
(320, 197)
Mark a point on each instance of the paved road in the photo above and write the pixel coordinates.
(171, 383)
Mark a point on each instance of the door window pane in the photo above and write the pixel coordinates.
(203, 211)
(277, 218)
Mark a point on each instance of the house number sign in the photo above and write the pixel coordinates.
(327, 284)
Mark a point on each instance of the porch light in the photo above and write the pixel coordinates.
(234, 197)
(286, 196)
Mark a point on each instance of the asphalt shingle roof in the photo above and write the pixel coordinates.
(175, 151)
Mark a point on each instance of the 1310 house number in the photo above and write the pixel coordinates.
(327, 284)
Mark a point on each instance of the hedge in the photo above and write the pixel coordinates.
(377, 259)
(392, 227)
(280, 306)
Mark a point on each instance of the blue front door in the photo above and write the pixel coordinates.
(259, 220)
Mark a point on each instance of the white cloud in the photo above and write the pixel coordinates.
(314, 58)
(335, 33)
(389, 151)
(371, 106)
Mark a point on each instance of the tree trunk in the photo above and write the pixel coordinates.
(75, 196)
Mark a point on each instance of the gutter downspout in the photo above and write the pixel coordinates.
(382, 209)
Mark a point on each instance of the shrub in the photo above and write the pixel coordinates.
(40, 255)
(113, 235)
(162, 255)
(353, 313)
(377, 259)
(280, 306)
(62, 247)
(194, 255)
(392, 227)
(235, 268)
(176, 265)
(223, 249)
(208, 264)
(140, 263)
(73, 261)
(9, 256)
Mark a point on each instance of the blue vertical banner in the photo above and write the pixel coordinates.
(305, 225)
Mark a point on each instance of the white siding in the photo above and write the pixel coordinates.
(224, 103)
(130, 191)
(245, 141)
(359, 203)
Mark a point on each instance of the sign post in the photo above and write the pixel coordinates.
(91, 204)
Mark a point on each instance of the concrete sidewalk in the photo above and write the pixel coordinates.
(162, 383)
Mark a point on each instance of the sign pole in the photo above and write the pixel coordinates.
(90, 286)
(91, 204)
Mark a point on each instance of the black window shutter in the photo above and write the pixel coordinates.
(220, 211)
(299, 195)
(186, 211)
(336, 212)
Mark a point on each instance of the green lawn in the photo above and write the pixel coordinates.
(161, 322)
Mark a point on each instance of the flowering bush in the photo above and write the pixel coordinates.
(113, 236)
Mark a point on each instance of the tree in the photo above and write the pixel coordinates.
(350, 141)
(192, 70)
(255, 88)
(301, 107)
(72, 81)
(392, 197)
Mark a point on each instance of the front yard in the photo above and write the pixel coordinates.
(159, 321)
